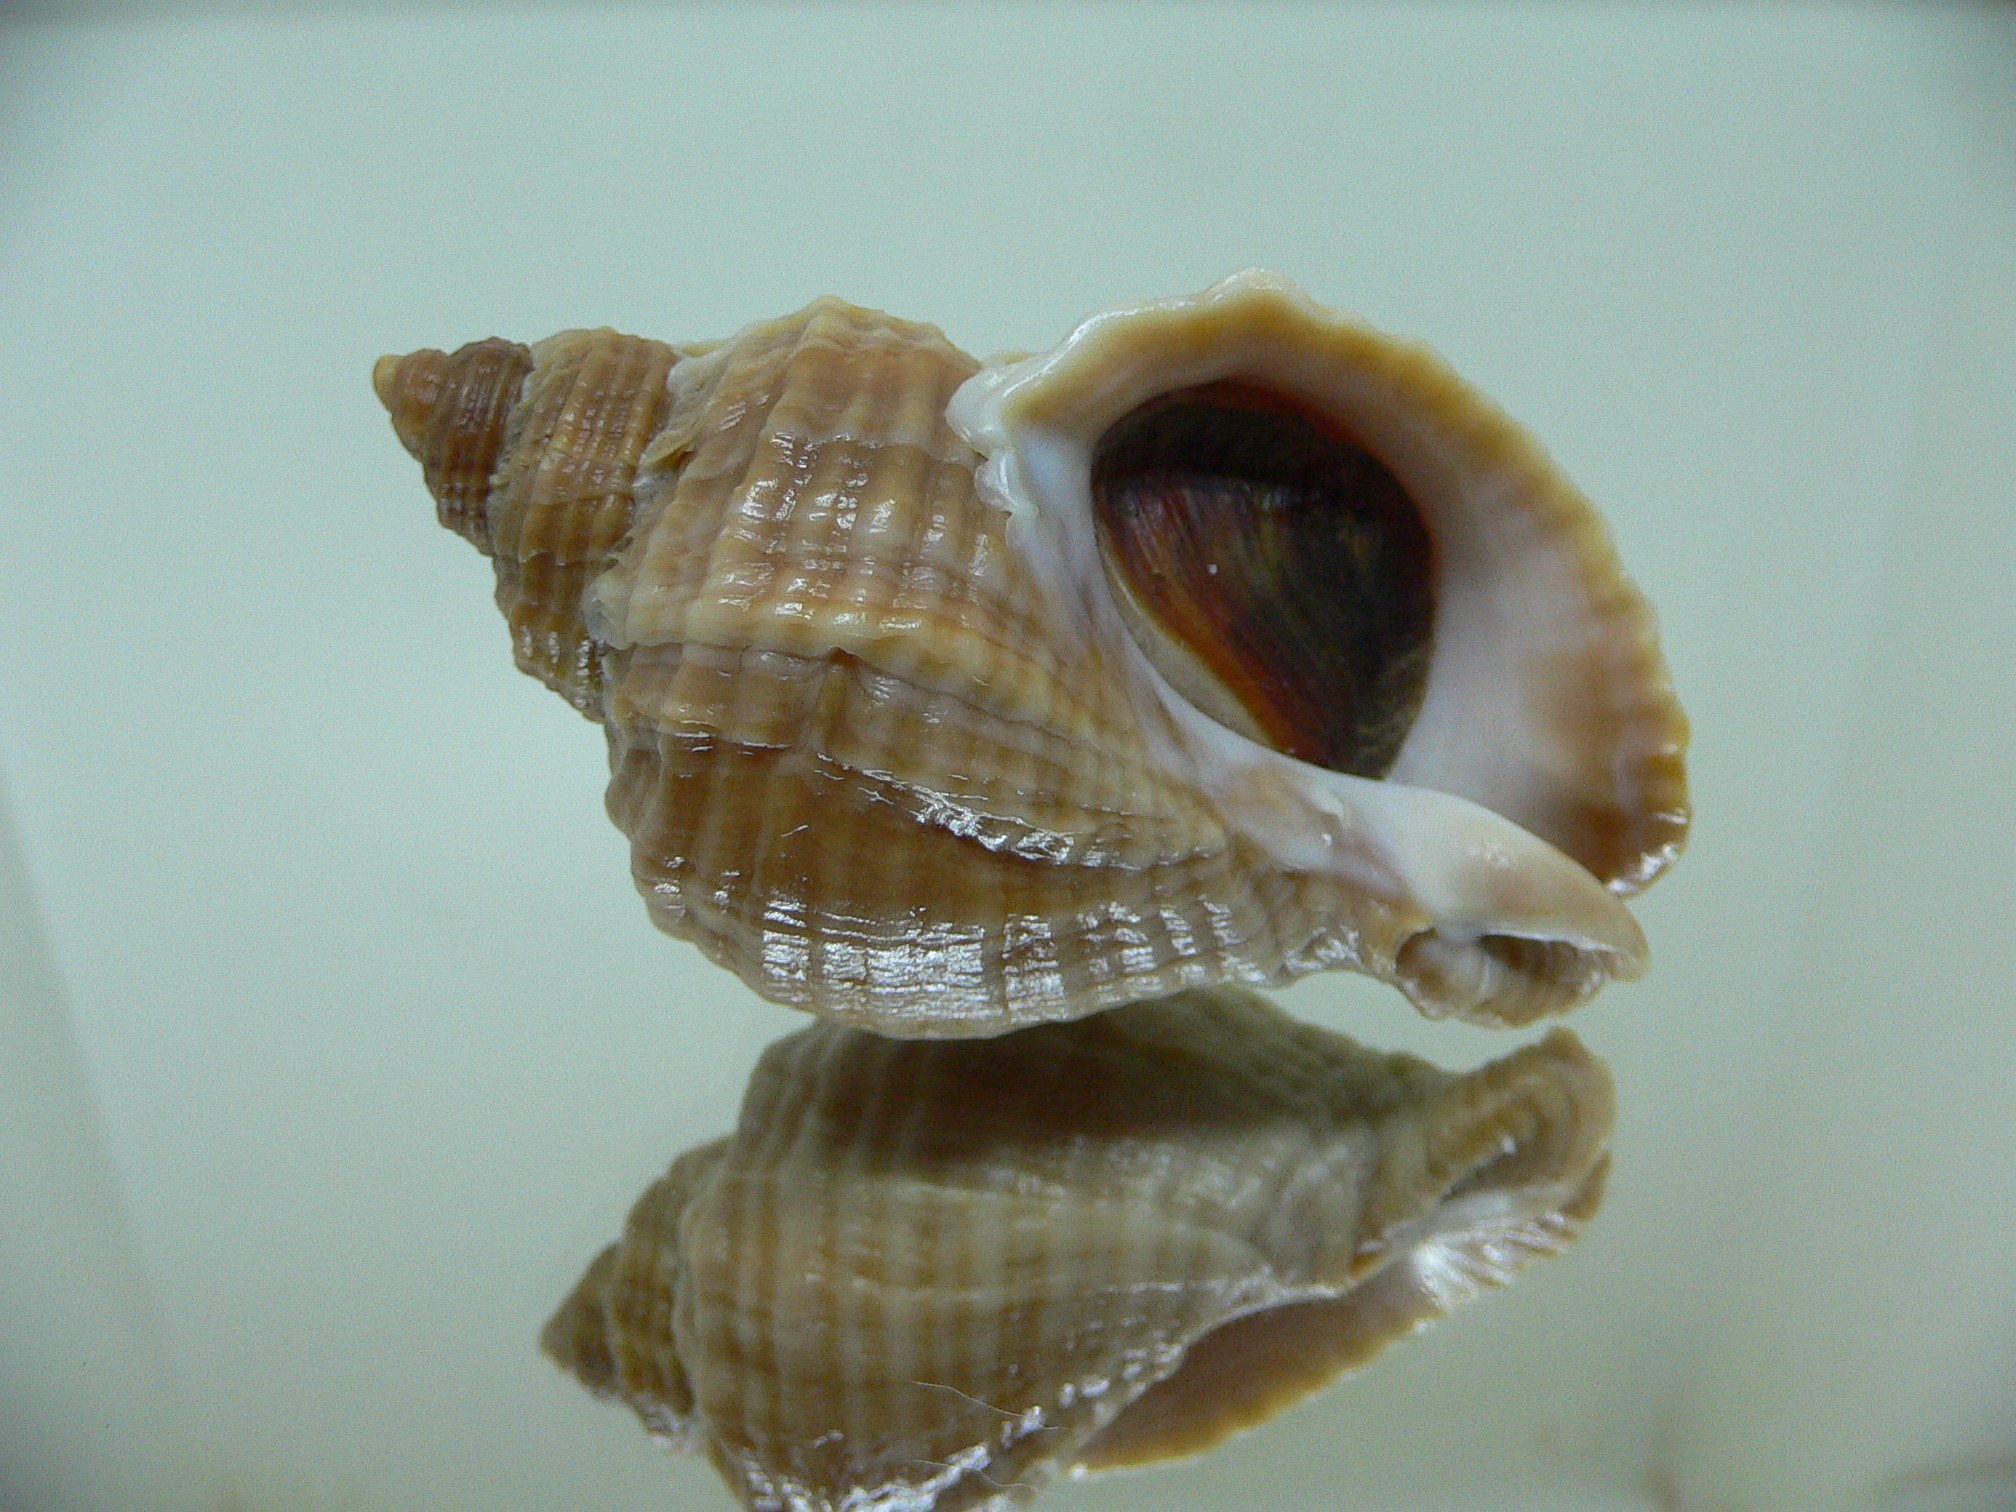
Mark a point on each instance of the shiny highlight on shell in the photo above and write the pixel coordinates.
(936, 1275)
(946, 699)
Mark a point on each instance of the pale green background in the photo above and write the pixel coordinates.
(333, 1040)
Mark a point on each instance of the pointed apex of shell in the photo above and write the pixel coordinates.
(449, 411)
(385, 379)
(410, 388)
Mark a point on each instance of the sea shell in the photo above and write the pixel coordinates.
(936, 1274)
(890, 743)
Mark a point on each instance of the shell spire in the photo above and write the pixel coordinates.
(529, 453)
(449, 411)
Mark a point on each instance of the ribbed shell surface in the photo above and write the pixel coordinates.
(868, 757)
(935, 1275)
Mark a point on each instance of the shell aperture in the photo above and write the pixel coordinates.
(899, 738)
(1284, 557)
(936, 1275)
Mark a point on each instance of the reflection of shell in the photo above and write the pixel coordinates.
(922, 1274)
(898, 753)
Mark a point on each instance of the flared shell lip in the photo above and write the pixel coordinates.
(1259, 325)
(1035, 420)
(1253, 324)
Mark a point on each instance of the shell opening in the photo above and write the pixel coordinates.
(1272, 568)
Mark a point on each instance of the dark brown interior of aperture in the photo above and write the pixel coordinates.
(1283, 557)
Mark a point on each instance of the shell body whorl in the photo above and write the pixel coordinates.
(883, 732)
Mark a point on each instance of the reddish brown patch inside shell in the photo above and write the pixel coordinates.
(1283, 557)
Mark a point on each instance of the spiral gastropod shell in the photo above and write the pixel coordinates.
(1226, 642)
(935, 1275)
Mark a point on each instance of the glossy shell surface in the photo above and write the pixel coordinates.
(889, 742)
(935, 1275)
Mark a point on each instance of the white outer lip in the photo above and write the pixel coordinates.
(1418, 837)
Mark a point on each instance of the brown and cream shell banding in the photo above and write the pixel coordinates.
(936, 1275)
(1227, 642)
